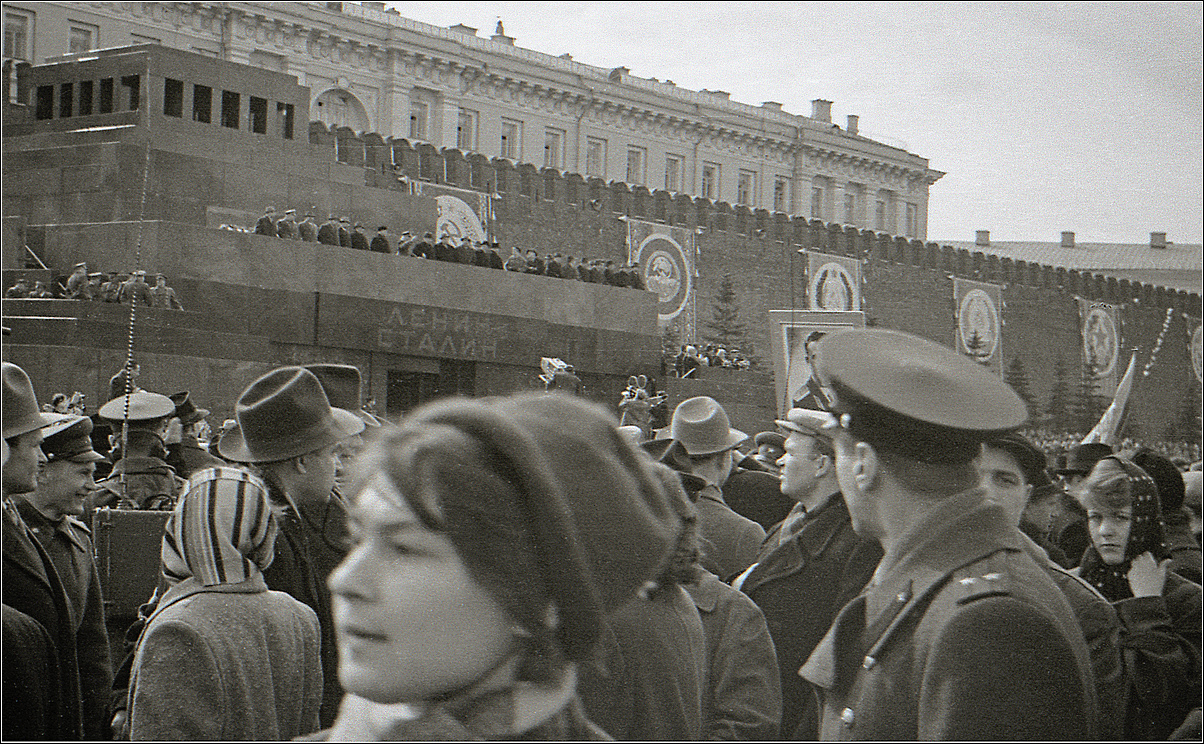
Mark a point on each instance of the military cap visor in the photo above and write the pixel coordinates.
(69, 440)
(914, 396)
(139, 406)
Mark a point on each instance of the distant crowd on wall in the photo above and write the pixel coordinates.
(341, 231)
(100, 286)
(690, 357)
(1058, 444)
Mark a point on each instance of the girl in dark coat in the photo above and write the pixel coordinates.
(491, 537)
(1159, 610)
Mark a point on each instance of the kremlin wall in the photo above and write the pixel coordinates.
(74, 191)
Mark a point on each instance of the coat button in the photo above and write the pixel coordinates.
(868, 663)
(846, 717)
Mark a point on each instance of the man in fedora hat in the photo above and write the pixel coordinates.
(307, 229)
(342, 383)
(702, 427)
(140, 479)
(52, 512)
(328, 232)
(960, 634)
(289, 434)
(77, 284)
(811, 559)
(381, 242)
(48, 707)
(266, 225)
(185, 431)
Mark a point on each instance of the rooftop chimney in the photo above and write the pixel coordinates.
(821, 110)
(851, 128)
(1067, 239)
(771, 105)
(461, 27)
(1158, 240)
(616, 75)
(374, 6)
(982, 237)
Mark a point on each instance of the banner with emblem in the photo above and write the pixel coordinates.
(462, 213)
(665, 255)
(833, 282)
(978, 333)
(1100, 326)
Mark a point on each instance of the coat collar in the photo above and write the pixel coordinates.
(820, 527)
(190, 586)
(20, 546)
(68, 526)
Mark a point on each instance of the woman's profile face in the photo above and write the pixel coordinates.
(1110, 532)
(411, 621)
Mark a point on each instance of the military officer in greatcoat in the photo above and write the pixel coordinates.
(345, 232)
(381, 243)
(307, 229)
(140, 479)
(328, 233)
(77, 284)
(52, 513)
(266, 225)
(287, 226)
(359, 240)
(959, 634)
(136, 290)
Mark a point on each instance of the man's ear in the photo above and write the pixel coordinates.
(867, 468)
(298, 464)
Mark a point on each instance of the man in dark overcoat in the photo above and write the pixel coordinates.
(52, 512)
(345, 232)
(266, 225)
(381, 242)
(31, 583)
(328, 233)
(307, 229)
(359, 240)
(812, 559)
(960, 634)
(184, 451)
(287, 226)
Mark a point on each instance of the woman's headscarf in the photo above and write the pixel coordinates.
(1106, 485)
(221, 531)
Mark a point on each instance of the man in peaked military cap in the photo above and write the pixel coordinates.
(960, 634)
(328, 233)
(188, 426)
(307, 229)
(140, 479)
(52, 512)
(287, 226)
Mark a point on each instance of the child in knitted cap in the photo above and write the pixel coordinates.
(491, 537)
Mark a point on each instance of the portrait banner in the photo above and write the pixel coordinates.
(979, 325)
(1100, 326)
(461, 213)
(665, 256)
(833, 282)
(792, 333)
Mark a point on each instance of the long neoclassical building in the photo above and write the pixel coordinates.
(373, 70)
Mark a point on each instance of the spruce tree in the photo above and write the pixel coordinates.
(725, 326)
(1017, 376)
(1059, 398)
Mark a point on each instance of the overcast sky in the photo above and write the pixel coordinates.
(1045, 116)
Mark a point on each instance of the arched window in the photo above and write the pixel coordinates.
(340, 108)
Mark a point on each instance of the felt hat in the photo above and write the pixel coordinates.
(702, 426)
(139, 406)
(80, 265)
(341, 383)
(20, 413)
(290, 211)
(772, 438)
(1028, 456)
(806, 421)
(1082, 458)
(70, 439)
(269, 209)
(915, 397)
(118, 383)
(186, 410)
(283, 414)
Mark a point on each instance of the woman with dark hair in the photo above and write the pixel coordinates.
(491, 538)
(1128, 563)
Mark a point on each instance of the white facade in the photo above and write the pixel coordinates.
(374, 70)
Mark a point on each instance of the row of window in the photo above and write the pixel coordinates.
(86, 97)
(510, 147)
(883, 216)
(81, 36)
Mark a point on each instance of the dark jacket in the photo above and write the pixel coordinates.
(963, 637)
(647, 681)
(188, 457)
(328, 233)
(32, 703)
(150, 484)
(69, 545)
(1185, 551)
(308, 548)
(1160, 640)
(757, 495)
(266, 225)
(822, 568)
(307, 230)
(733, 539)
(344, 236)
(359, 240)
(31, 585)
(381, 243)
(742, 700)
(286, 228)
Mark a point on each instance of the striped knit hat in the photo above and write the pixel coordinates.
(221, 531)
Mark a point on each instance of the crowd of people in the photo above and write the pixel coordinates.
(690, 357)
(903, 565)
(99, 286)
(487, 254)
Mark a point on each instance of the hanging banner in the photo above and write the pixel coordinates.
(978, 322)
(1100, 324)
(665, 255)
(1196, 348)
(833, 282)
(461, 213)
